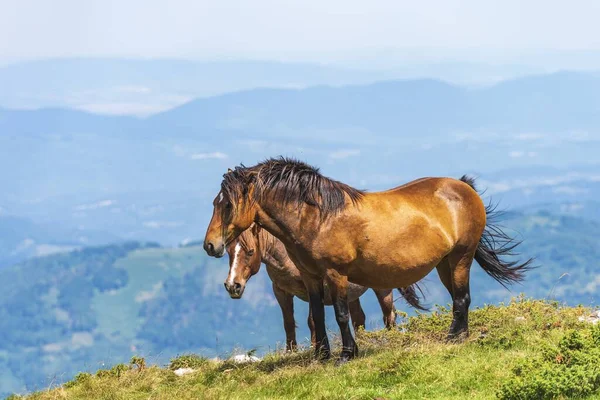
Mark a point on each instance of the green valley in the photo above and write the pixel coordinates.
(95, 307)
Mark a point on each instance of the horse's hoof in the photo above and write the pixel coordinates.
(457, 337)
(342, 360)
(323, 355)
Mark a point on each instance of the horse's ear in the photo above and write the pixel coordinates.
(256, 229)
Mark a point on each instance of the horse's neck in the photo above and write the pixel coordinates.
(273, 252)
(285, 224)
(280, 268)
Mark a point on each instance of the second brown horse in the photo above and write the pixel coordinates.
(255, 246)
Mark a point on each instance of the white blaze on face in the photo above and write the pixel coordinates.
(235, 265)
(221, 197)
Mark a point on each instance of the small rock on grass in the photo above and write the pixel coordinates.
(183, 371)
(593, 318)
(244, 358)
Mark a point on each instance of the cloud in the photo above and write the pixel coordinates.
(572, 207)
(344, 153)
(592, 287)
(194, 154)
(530, 136)
(521, 154)
(205, 156)
(133, 89)
(161, 224)
(570, 190)
(146, 295)
(96, 205)
(559, 182)
(47, 249)
(23, 246)
(138, 109)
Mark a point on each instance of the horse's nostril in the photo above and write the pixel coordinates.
(210, 247)
(237, 287)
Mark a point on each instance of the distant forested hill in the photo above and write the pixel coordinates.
(78, 311)
(21, 238)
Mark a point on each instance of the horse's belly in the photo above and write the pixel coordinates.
(293, 285)
(354, 292)
(386, 276)
(286, 281)
(386, 263)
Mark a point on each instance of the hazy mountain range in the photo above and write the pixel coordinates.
(143, 87)
(154, 177)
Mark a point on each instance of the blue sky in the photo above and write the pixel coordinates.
(307, 30)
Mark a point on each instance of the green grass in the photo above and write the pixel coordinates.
(527, 349)
(137, 299)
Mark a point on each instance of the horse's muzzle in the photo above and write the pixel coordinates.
(235, 290)
(213, 251)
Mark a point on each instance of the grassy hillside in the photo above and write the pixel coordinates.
(81, 311)
(98, 306)
(526, 350)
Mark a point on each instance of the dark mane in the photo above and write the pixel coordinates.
(289, 181)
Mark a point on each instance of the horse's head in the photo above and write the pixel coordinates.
(234, 211)
(244, 261)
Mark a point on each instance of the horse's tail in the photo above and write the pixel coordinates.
(494, 244)
(410, 295)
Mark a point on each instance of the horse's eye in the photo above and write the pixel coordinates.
(251, 252)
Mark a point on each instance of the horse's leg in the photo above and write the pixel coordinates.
(386, 302)
(445, 274)
(357, 315)
(286, 302)
(460, 263)
(338, 286)
(314, 286)
(311, 326)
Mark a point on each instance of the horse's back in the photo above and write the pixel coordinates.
(437, 198)
(412, 228)
(427, 185)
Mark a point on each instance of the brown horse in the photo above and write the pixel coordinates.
(381, 240)
(255, 245)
